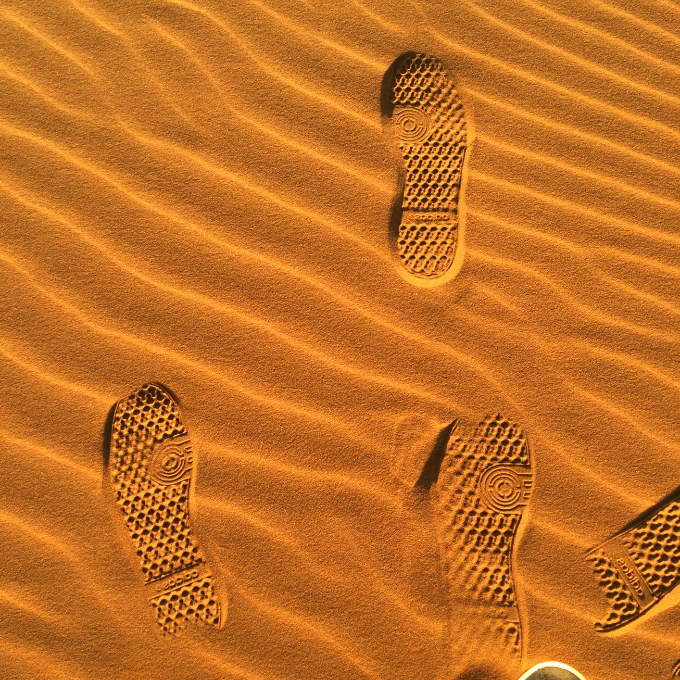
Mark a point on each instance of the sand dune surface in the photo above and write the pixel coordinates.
(198, 194)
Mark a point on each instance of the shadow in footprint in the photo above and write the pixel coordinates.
(106, 440)
(430, 472)
(386, 110)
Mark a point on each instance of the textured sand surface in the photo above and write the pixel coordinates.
(199, 193)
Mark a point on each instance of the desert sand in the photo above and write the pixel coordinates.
(198, 193)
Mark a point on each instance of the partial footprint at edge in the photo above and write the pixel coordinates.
(151, 465)
(484, 484)
(425, 113)
(639, 565)
(676, 670)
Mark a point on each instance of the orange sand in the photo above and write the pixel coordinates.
(199, 194)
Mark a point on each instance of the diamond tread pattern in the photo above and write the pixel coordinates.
(151, 468)
(430, 127)
(654, 548)
(476, 540)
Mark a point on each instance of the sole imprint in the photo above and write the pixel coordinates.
(427, 119)
(484, 484)
(638, 566)
(151, 466)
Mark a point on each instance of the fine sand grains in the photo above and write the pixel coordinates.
(198, 193)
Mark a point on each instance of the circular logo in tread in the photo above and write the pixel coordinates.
(171, 462)
(411, 124)
(505, 488)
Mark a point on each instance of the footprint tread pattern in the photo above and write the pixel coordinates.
(429, 124)
(638, 567)
(151, 465)
(484, 484)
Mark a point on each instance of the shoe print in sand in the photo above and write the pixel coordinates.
(639, 565)
(482, 489)
(425, 114)
(151, 466)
